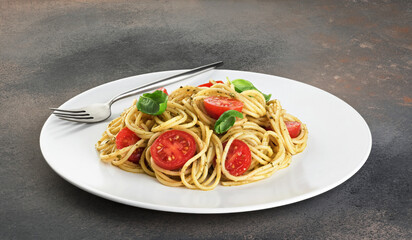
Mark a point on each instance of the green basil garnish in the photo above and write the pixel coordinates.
(243, 85)
(226, 121)
(153, 103)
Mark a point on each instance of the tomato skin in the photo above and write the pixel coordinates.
(238, 158)
(135, 157)
(172, 149)
(125, 138)
(216, 105)
(209, 84)
(293, 128)
(163, 90)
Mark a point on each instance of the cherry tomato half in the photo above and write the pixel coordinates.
(216, 106)
(209, 84)
(293, 128)
(135, 157)
(173, 149)
(163, 90)
(127, 137)
(238, 158)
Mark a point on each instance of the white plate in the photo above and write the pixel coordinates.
(339, 144)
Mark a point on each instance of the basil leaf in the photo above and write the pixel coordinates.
(243, 85)
(153, 103)
(226, 121)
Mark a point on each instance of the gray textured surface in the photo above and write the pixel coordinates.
(360, 51)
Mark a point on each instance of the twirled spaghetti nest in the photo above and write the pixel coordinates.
(271, 150)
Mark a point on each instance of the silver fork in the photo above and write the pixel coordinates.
(101, 111)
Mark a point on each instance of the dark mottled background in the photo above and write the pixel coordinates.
(360, 51)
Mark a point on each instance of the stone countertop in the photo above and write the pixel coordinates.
(360, 51)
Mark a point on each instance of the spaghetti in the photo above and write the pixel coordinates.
(262, 129)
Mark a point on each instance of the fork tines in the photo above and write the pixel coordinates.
(68, 111)
(71, 114)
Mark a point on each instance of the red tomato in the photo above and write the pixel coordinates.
(173, 149)
(209, 84)
(163, 90)
(238, 158)
(127, 137)
(293, 128)
(135, 157)
(216, 106)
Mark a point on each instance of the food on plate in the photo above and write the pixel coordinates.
(209, 84)
(198, 137)
(172, 149)
(217, 105)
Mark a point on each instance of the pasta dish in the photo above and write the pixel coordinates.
(201, 136)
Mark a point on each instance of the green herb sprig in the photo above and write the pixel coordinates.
(226, 121)
(243, 85)
(153, 103)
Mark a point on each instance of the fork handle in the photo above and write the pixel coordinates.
(166, 81)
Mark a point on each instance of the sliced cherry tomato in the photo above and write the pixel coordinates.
(209, 84)
(127, 137)
(216, 106)
(135, 157)
(238, 158)
(163, 90)
(173, 149)
(293, 128)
